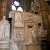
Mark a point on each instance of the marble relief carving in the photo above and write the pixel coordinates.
(18, 20)
(30, 30)
(18, 37)
(25, 29)
(23, 20)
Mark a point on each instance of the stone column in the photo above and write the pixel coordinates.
(45, 17)
(3, 8)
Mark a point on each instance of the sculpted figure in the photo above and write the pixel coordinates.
(18, 20)
(4, 29)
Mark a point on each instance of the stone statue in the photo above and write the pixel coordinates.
(4, 29)
(18, 20)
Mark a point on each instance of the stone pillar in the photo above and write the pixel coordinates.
(45, 17)
(3, 8)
